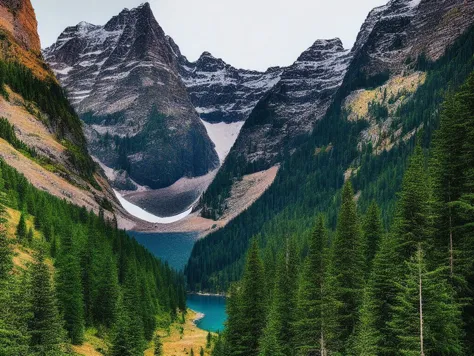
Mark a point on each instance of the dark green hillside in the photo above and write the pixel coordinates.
(363, 291)
(103, 279)
(309, 181)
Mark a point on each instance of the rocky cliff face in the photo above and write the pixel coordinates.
(291, 108)
(220, 92)
(18, 17)
(123, 79)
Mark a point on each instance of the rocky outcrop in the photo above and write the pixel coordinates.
(294, 104)
(123, 79)
(220, 92)
(18, 17)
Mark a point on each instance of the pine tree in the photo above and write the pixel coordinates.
(13, 331)
(208, 340)
(278, 334)
(22, 230)
(414, 220)
(373, 230)
(45, 328)
(235, 323)
(253, 302)
(192, 352)
(201, 352)
(309, 325)
(158, 346)
(349, 266)
(426, 318)
(69, 290)
(373, 336)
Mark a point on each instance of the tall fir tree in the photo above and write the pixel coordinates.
(373, 335)
(309, 334)
(278, 334)
(372, 233)
(13, 327)
(22, 230)
(69, 290)
(426, 318)
(45, 327)
(253, 312)
(348, 266)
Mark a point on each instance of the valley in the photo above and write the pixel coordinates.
(156, 205)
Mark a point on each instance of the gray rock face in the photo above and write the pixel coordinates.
(123, 79)
(220, 92)
(297, 101)
(397, 33)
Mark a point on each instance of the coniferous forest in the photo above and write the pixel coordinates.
(84, 273)
(362, 289)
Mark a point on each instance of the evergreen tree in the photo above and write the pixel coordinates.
(201, 352)
(45, 327)
(208, 340)
(158, 346)
(253, 306)
(349, 267)
(69, 290)
(192, 352)
(373, 230)
(234, 324)
(309, 324)
(426, 318)
(13, 333)
(373, 336)
(414, 220)
(22, 230)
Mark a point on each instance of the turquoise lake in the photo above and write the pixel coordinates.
(213, 308)
(175, 248)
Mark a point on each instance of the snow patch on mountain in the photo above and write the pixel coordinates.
(223, 135)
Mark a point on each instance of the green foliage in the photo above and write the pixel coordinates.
(315, 180)
(45, 326)
(7, 132)
(51, 99)
(426, 320)
(104, 278)
(348, 265)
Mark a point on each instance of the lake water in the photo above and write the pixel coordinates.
(213, 308)
(175, 248)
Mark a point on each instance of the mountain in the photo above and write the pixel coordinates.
(220, 92)
(42, 137)
(283, 117)
(123, 80)
(407, 57)
(58, 218)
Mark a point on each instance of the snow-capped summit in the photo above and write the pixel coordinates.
(123, 80)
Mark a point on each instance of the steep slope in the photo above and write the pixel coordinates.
(285, 115)
(407, 56)
(220, 92)
(123, 80)
(41, 135)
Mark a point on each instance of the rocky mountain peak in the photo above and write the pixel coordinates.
(123, 79)
(321, 49)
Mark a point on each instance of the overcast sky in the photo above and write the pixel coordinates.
(253, 34)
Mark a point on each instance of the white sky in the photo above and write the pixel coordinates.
(253, 34)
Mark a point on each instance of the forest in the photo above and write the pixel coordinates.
(309, 183)
(84, 274)
(364, 288)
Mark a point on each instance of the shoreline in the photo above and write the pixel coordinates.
(208, 294)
